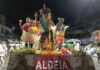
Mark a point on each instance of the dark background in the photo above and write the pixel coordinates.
(79, 14)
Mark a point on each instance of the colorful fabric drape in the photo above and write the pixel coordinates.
(44, 23)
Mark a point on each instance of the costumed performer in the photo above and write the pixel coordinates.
(37, 29)
(60, 30)
(46, 21)
(27, 36)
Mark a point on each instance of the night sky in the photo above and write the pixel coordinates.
(71, 10)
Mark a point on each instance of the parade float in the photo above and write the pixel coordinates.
(45, 48)
(45, 26)
(43, 37)
(52, 36)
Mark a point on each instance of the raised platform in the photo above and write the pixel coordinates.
(49, 62)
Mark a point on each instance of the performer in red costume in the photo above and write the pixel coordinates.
(27, 36)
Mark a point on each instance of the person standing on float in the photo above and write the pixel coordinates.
(37, 30)
(60, 31)
(46, 22)
(27, 36)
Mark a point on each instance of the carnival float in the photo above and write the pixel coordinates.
(45, 47)
(42, 36)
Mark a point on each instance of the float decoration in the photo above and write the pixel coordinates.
(50, 47)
